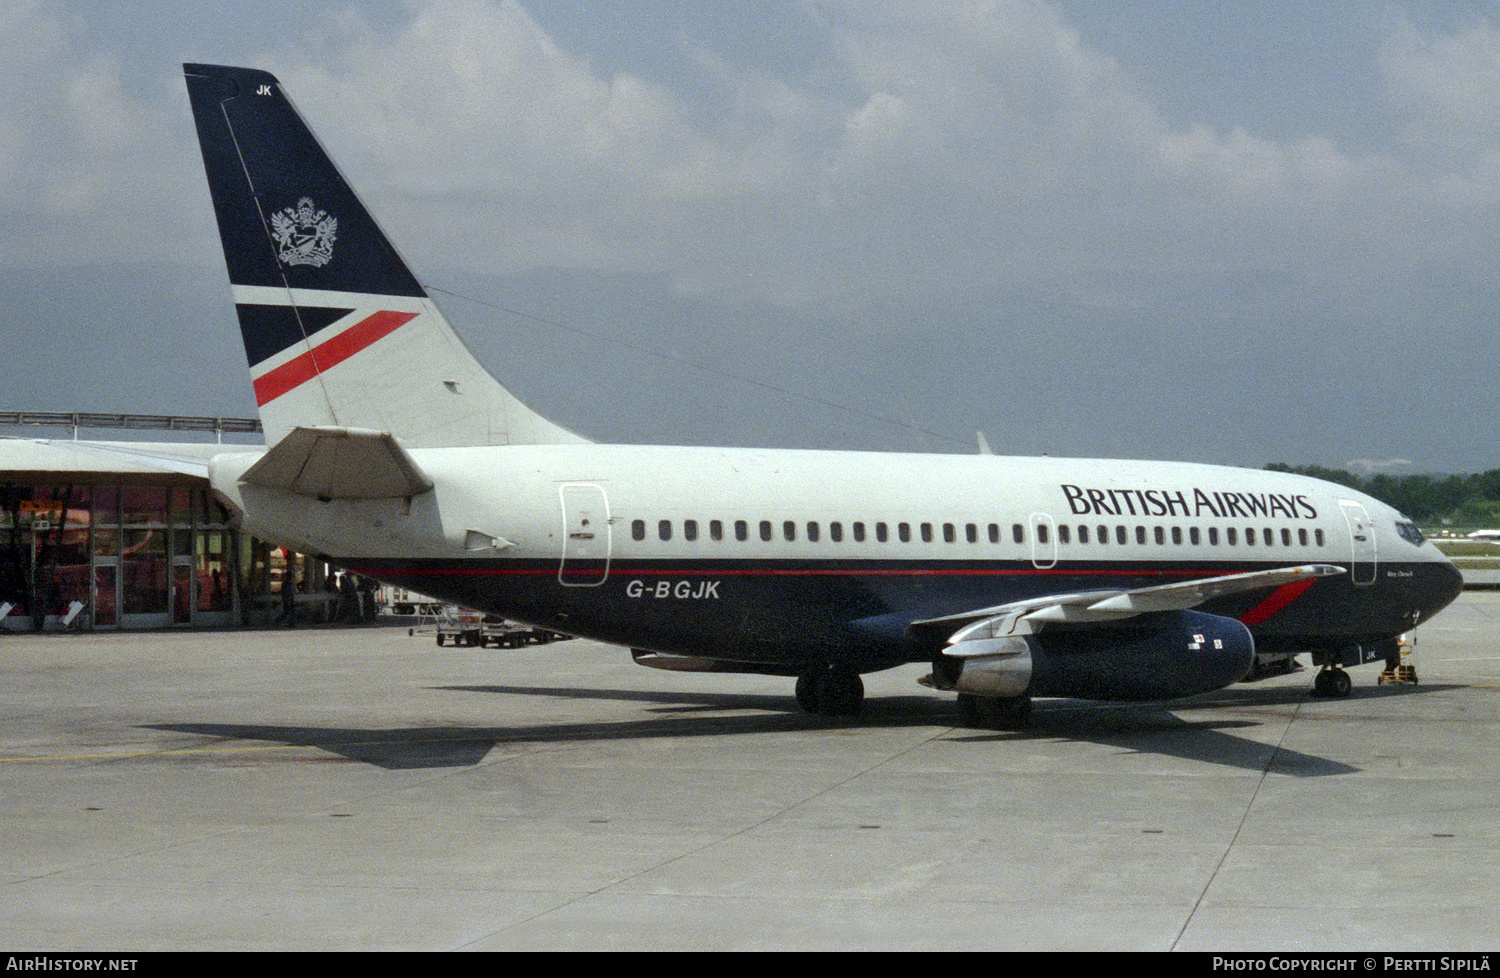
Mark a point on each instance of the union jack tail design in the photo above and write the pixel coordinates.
(337, 330)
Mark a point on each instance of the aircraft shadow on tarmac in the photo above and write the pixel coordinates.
(1147, 728)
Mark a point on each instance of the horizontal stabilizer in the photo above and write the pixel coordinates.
(340, 463)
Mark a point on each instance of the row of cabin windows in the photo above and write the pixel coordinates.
(927, 533)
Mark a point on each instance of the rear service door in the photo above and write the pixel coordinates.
(586, 535)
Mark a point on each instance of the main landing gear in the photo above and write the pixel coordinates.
(832, 691)
(1332, 681)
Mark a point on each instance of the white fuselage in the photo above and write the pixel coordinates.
(593, 538)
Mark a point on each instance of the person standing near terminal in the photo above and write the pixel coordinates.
(288, 601)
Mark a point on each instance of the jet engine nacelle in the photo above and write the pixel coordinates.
(1152, 657)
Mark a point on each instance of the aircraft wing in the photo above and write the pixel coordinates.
(1089, 607)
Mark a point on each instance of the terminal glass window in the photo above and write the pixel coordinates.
(143, 506)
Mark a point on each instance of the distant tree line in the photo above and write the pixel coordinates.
(1459, 501)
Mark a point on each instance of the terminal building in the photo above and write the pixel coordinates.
(123, 539)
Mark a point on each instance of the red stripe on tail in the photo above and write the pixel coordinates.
(294, 373)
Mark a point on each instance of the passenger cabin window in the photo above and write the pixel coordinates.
(1017, 533)
(903, 530)
(716, 529)
(637, 529)
(690, 529)
(741, 530)
(926, 532)
(971, 532)
(765, 530)
(836, 532)
(882, 533)
(789, 530)
(812, 532)
(859, 533)
(1083, 533)
(664, 529)
(1062, 533)
(994, 533)
(1042, 536)
(1122, 537)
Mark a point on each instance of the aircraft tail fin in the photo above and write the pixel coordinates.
(337, 330)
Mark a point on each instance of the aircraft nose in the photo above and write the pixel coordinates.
(1442, 584)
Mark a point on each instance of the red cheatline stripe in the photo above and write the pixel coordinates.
(1278, 599)
(492, 571)
(274, 383)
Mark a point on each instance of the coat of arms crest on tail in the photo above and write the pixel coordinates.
(304, 233)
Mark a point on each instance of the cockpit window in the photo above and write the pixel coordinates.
(1410, 533)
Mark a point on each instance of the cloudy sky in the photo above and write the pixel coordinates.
(1225, 232)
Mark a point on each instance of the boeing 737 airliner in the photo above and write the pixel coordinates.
(396, 455)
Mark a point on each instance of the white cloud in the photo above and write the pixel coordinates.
(947, 145)
(1447, 89)
(82, 172)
